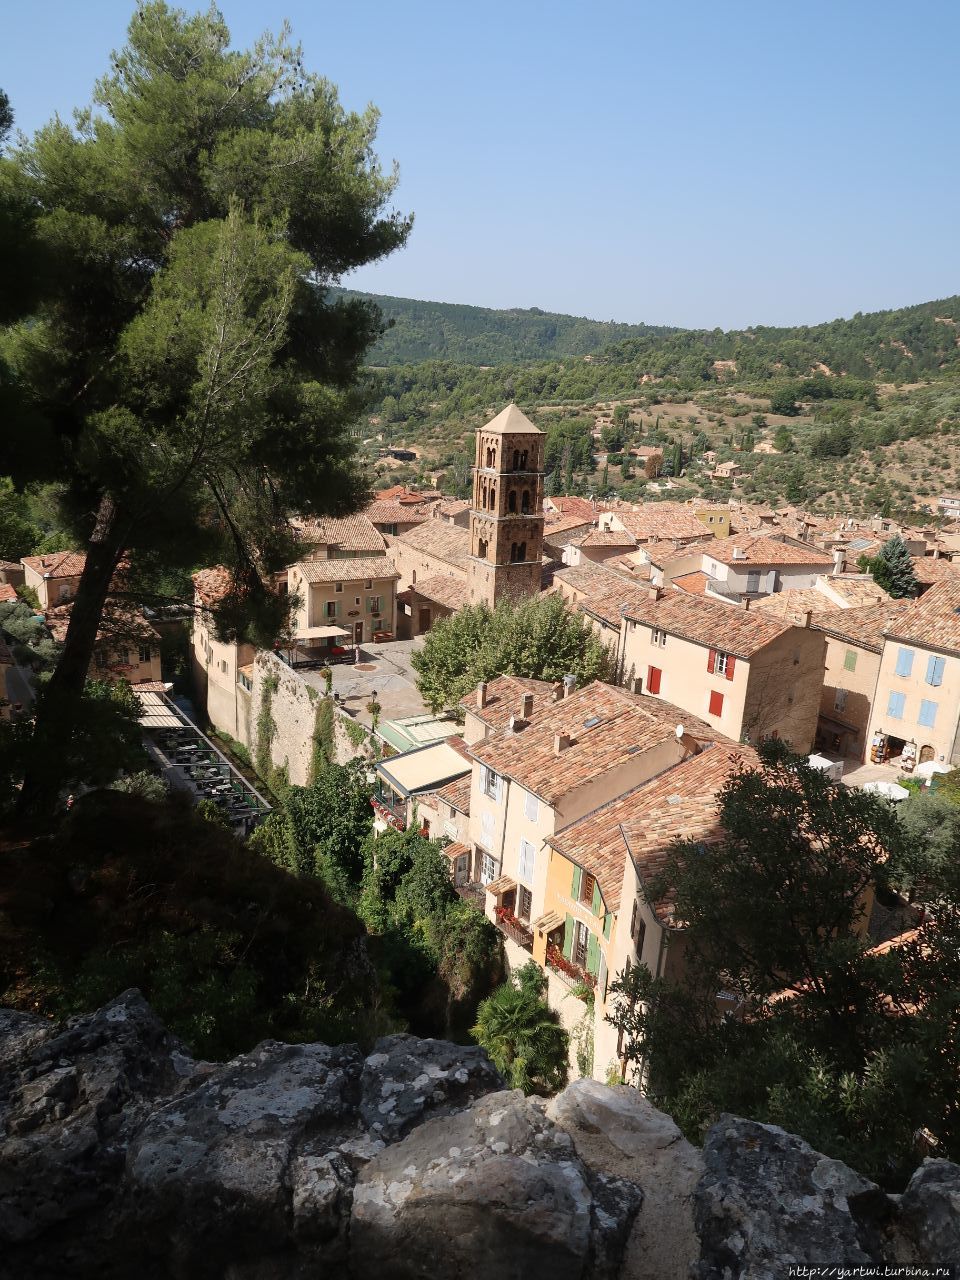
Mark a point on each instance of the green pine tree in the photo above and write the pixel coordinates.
(892, 569)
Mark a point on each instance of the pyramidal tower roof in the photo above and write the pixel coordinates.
(512, 421)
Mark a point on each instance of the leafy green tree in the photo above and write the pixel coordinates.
(18, 534)
(522, 1034)
(190, 377)
(930, 822)
(613, 437)
(892, 569)
(784, 401)
(539, 638)
(850, 1048)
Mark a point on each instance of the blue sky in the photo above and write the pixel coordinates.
(686, 162)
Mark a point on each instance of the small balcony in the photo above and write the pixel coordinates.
(392, 812)
(514, 929)
(569, 972)
(472, 892)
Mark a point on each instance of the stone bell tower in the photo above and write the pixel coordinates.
(506, 520)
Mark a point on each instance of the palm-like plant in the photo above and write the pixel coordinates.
(522, 1034)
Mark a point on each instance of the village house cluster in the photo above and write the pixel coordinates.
(727, 624)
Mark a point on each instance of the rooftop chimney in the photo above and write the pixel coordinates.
(526, 706)
(739, 553)
(560, 743)
(556, 693)
(569, 684)
(481, 695)
(808, 617)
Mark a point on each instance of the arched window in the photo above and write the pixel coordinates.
(523, 461)
(522, 551)
(413, 578)
(525, 501)
(513, 551)
(516, 459)
(482, 548)
(512, 500)
(492, 497)
(489, 457)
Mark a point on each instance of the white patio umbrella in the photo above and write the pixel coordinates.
(929, 768)
(892, 790)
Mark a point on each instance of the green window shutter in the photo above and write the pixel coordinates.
(568, 938)
(608, 925)
(597, 903)
(850, 660)
(577, 881)
(593, 955)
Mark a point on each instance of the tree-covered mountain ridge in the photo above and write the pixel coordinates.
(902, 344)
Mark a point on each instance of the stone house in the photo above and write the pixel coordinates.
(917, 702)
(749, 676)
(127, 646)
(54, 577)
(342, 601)
(419, 607)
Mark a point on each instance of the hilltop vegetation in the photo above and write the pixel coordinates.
(482, 336)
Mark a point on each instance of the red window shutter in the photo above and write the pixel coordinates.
(653, 680)
(716, 703)
(711, 660)
(730, 666)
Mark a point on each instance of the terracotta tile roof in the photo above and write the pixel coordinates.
(678, 804)
(573, 506)
(604, 590)
(400, 493)
(395, 513)
(556, 525)
(451, 506)
(453, 851)
(59, 564)
(608, 538)
(607, 726)
(719, 626)
(669, 521)
(930, 569)
(442, 589)
(349, 533)
(6, 566)
(503, 700)
(794, 604)
(933, 621)
(8, 594)
(629, 565)
(854, 589)
(455, 793)
(447, 542)
(211, 585)
(351, 569)
(511, 421)
(758, 549)
(694, 584)
(661, 553)
(864, 626)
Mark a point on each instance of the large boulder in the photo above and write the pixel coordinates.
(768, 1202)
(496, 1190)
(927, 1229)
(616, 1129)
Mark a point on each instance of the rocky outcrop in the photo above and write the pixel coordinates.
(120, 1156)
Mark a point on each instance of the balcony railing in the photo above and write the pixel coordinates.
(392, 815)
(574, 975)
(514, 929)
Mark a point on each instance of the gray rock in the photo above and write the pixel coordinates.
(406, 1078)
(616, 1129)
(767, 1202)
(929, 1219)
(498, 1190)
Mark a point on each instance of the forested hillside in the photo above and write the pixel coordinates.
(481, 336)
(905, 345)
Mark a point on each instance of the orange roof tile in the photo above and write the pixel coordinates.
(443, 589)
(933, 621)
(930, 569)
(606, 727)
(762, 550)
(864, 627)
(573, 506)
(449, 542)
(393, 512)
(719, 626)
(608, 538)
(670, 521)
(8, 594)
(678, 804)
(694, 584)
(456, 794)
(503, 699)
(603, 592)
(211, 585)
(348, 533)
(59, 564)
(348, 569)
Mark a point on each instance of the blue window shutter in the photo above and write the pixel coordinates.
(904, 662)
(935, 667)
(928, 713)
(895, 705)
